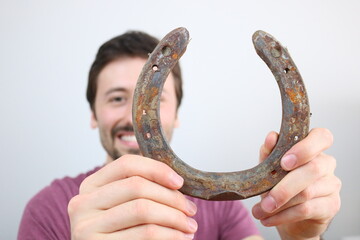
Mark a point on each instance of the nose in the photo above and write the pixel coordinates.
(128, 113)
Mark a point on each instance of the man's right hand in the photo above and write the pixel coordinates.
(132, 197)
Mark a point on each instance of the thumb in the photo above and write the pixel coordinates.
(266, 149)
(269, 144)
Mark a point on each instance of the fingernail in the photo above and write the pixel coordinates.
(176, 180)
(265, 222)
(257, 212)
(190, 236)
(288, 161)
(191, 207)
(268, 204)
(192, 224)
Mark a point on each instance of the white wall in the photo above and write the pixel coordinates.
(231, 99)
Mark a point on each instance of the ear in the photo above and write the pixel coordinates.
(93, 121)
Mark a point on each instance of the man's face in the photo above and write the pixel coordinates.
(113, 106)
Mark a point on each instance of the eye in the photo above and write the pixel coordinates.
(117, 99)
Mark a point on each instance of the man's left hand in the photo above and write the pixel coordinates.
(305, 201)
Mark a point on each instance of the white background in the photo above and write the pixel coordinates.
(231, 99)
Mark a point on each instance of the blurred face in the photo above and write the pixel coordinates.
(113, 106)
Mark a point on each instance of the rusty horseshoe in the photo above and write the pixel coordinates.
(214, 185)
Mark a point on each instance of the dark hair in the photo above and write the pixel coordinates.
(129, 44)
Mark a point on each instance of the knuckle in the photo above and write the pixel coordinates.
(84, 185)
(141, 209)
(150, 231)
(138, 187)
(136, 184)
(74, 204)
(123, 161)
(328, 135)
(315, 168)
(332, 161)
(180, 200)
(334, 206)
(165, 169)
(282, 195)
(307, 194)
(261, 150)
(338, 184)
(262, 153)
(336, 202)
(305, 210)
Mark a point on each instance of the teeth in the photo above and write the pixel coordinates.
(128, 138)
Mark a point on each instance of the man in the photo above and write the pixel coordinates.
(133, 197)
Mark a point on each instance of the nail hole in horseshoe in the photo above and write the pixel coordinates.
(286, 70)
(155, 68)
(273, 172)
(166, 51)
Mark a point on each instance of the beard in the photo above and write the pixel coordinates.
(115, 154)
(108, 142)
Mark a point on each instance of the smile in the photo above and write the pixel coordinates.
(128, 138)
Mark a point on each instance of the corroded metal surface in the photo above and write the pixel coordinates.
(213, 185)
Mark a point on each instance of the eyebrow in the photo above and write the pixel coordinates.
(117, 89)
(121, 89)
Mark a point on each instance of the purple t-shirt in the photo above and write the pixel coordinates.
(46, 217)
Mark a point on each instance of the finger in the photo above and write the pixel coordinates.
(132, 165)
(148, 232)
(299, 179)
(319, 210)
(143, 211)
(265, 150)
(269, 144)
(321, 188)
(318, 140)
(136, 187)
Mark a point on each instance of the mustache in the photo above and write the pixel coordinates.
(127, 128)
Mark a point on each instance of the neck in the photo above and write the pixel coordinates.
(108, 159)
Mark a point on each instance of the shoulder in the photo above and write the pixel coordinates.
(46, 212)
(60, 190)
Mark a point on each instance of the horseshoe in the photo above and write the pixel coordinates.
(214, 185)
